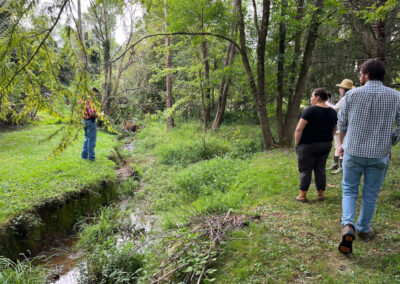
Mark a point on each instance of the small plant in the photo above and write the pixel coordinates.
(110, 263)
(21, 272)
(107, 260)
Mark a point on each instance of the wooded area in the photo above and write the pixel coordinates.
(188, 59)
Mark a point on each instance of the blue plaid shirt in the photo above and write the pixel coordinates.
(367, 117)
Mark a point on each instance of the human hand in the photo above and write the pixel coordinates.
(341, 151)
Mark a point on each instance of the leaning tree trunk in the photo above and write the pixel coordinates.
(207, 97)
(169, 98)
(258, 91)
(294, 106)
(224, 88)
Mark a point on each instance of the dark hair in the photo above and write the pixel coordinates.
(375, 69)
(322, 93)
(94, 89)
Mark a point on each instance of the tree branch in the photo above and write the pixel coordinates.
(256, 17)
(37, 49)
(173, 34)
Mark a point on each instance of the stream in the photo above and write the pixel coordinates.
(65, 264)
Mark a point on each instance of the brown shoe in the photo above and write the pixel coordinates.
(367, 236)
(302, 197)
(348, 236)
(320, 195)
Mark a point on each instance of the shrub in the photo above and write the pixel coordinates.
(113, 264)
(189, 152)
(209, 176)
(107, 260)
(245, 148)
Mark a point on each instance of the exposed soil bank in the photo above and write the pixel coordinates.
(30, 231)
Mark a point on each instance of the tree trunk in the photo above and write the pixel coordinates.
(279, 75)
(261, 101)
(207, 107)
(258, 91)
(296, 53)
(224, 88)
(105, 100)
(169, 98)
(294, 106)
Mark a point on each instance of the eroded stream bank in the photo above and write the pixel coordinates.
(29, 232)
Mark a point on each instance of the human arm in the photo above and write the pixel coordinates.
(341, 138)
(299, 130)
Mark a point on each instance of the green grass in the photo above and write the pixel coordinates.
(291, 241)
(30, 175)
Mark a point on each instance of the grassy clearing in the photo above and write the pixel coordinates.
(291, 241)
(29, 175)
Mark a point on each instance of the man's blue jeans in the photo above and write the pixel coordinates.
(374, 170)
(90, 139)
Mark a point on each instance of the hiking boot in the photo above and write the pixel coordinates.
(367, 236)
(320, 195)
(335, 164)
(302, 197)
(339, 169)
(348, 236)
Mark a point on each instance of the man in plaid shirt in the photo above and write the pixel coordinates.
(89, 117)
(366, 121)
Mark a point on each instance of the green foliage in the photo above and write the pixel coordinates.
(21, 272)
(207, 177)
(189, 152)
(102, 231)
(107, 260)
(113, 264)
(127, 187)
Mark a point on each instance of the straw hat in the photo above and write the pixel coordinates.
(346, 84)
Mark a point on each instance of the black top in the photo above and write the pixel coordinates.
(321, 122)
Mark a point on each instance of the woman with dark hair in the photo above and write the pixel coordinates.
(313, 138)
(344, 86)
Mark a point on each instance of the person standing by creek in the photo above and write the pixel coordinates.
(89, 116)
(344, 86)
(313, 138)
(366, 121)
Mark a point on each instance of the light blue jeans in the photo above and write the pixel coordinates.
(90, 139)
(374, 170)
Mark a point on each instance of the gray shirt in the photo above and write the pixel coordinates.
(367, 117)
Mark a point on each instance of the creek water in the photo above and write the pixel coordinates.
(66, 264)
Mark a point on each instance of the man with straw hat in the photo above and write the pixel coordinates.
(344, 86)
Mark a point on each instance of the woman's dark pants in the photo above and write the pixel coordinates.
(313, 157)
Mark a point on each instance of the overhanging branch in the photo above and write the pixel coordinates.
(37, 49)
(173, 34)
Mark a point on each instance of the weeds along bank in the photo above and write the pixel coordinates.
(34, 184)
